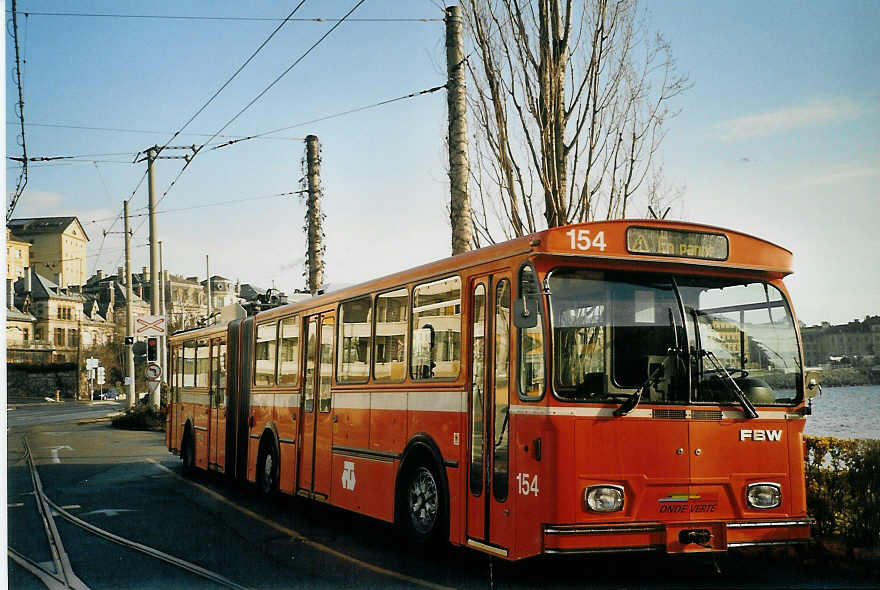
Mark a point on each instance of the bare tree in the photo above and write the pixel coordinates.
(569, 102)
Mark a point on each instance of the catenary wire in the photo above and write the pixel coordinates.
(260, 95)
(236, 73)
(327, 117)
(144, 131)
(228, 18)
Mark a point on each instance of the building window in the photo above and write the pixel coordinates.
(59, 337)
(24, 335)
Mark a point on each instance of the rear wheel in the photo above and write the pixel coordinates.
(188, 453)
(422, 505)
(267, 469)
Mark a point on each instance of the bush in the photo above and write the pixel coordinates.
(843, 489)
(141, 417)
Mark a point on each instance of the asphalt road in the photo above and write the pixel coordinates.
(32, 414)
(127, 483)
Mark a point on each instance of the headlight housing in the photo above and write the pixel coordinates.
(604, 498)
(764, 495)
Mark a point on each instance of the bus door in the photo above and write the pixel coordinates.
(317, 422)
(217, 423)
(489, 507)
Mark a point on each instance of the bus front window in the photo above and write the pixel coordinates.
(746, 330)
(616, 334)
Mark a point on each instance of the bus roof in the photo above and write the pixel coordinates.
(651, 241)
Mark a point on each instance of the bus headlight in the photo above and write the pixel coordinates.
(764, 495)
(604, 498)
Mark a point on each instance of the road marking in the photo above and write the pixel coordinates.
(72, 507)
(299, 537)
(55, 458)
(108, 511)
(16, 505)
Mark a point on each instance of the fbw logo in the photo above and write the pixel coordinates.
(348, 479)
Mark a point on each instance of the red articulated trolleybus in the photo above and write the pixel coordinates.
(614, 386)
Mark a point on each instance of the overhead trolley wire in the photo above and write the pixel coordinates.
(236, 73)
(229, 18)
(259, 96)
(145, 131)
(333, 116)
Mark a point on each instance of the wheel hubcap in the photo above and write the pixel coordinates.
(423, 500)
(268, 472)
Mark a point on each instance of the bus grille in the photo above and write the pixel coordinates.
(669, 414)
(706, 414)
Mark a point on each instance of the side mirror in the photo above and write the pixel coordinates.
(812, 387)
(525, 312)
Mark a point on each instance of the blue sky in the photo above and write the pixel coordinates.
(777, 137)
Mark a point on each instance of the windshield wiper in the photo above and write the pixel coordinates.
(633, 400)
(748, 408)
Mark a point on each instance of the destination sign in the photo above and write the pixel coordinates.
(675, 242)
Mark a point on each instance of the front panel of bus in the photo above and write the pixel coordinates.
(672, 416)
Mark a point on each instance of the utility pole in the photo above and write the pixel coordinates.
(129, 316)
(459, 201)
(152, 154)
(154, 260)
(79, 335)
(315, 252)
(208, 286)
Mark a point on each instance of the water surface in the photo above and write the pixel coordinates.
(846, 412)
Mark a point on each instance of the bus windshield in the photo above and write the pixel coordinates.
(675, 341)
(744, 330)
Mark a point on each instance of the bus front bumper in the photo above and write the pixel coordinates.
(678, 537)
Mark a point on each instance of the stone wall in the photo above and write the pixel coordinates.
(42, 381)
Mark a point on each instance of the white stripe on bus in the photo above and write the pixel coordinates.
(276, 400)
(422, 401)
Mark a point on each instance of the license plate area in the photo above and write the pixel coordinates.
(696, 538)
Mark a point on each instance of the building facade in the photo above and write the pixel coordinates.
(18, 254)
(57, 247)
(856, 340)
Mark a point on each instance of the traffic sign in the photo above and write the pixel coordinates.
(100, 378)
(153, 372)
(150, 325)
(91, 363)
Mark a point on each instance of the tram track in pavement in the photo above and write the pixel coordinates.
(62, 574)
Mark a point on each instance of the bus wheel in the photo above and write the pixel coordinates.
(267, 469)
(422, 504)
(188, 453)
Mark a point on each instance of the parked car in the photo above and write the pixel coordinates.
(110, 393)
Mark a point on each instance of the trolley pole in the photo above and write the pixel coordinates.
(459, 199)
(315, 231)
(129, 317)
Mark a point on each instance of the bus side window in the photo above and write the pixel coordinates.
(436, 330)
(390, 339)
(188, 366)
(353, 356)
(530, 341)
(288, 353)
(264, 354)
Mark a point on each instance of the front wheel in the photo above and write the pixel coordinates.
(422, 504)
